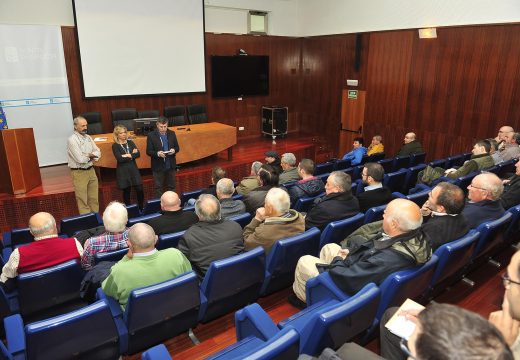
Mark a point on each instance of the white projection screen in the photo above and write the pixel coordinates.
(140, 47)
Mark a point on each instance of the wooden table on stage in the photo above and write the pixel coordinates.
(201, 141)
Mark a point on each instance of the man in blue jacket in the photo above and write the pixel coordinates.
(357, 153)
(484, 200)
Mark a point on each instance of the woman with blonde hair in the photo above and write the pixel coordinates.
(376, 146)
(127, 173)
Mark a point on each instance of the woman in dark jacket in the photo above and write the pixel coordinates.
(127, 173)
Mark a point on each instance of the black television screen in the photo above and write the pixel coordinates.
(241, 75)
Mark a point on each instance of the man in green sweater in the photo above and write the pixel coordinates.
(143, 265)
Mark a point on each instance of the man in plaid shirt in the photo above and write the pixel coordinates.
(114, 238)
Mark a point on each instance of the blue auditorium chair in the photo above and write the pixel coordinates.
(87, 333)
(401, 162)
(494, 169)
(289, 184)
(356, 172)
(190, 195)
(142, 219)
(4, 353)
(283, 257)
(411, 177)
(152, 206)
(326, 323)
(375, 157)
(70, 225)
(374, 214)
(417, 159)
(491, 236)
(243, 219)
(281, 345)
(395, 180)
(157, 312)
(17, 237)
(419, 197)
(115, 255)
(350, 172)
(158, 352)
(357, 187)
(336, 231)
(455, 161)
(323, 177)
(44, 289)
(231, 283)
(133, 211)
(512, 232)
(238, 197)
(323, 168)
(467, 156)
(506, 167)
(387, 164)
(304, 204)
(170, 240)
(439, 163)
(341, 164)
(464, 181)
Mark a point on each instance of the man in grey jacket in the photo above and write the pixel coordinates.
(228, 206)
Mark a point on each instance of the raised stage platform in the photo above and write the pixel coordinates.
(56, 194)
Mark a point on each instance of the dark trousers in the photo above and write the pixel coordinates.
(390, 343)
(139, 192)
(162, 178)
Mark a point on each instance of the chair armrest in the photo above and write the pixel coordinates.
(254, 321)
(398, 195)
(322, 288)
(15, 335)
(115, 307)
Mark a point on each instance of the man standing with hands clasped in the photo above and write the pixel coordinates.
(162, 146)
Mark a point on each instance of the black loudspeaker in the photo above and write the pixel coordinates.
(275, 120)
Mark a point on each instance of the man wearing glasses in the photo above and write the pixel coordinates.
(484, 200)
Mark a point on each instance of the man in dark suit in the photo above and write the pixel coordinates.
(375, 193)
(484, 200)
(173, 218)
(162, 146)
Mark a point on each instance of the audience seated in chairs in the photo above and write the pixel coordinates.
(484, 200)
(272, 158)
(309, 185)
(228, 206)
(290, 172)
(510, 148)
(114, 238)
(143, 265)
(480, 160)
(173, 218)
(217, 173)
(442, 218)
(212, 238)
(273, 222)
(47, 250)
(358, 151)
(375, 193)
(267, 179)
(374, 251)
(511, 195)
(503, 133)
(337, 204)
(249, 182)
(376, 146)
(411, 145)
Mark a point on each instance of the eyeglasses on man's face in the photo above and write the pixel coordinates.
(506, 280)
(476, 187)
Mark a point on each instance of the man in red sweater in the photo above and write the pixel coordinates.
(46, 250)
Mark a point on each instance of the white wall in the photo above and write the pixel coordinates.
(350, 16)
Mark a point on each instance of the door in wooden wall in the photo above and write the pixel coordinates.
(352, 117)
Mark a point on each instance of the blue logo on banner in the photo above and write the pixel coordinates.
(3, 119)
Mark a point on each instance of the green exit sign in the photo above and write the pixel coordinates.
(352, 94)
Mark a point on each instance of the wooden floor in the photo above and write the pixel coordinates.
(483, 298)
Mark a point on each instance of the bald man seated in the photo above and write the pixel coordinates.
(370, 253)
(143, 265)
(47, 250)
(173, 218)
(484, 200)
(411, 145)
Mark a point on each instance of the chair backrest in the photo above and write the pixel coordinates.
(123, 114)
(323, 168)
(356, 172)
(387, 164)
(152, 206)
(232, 283)
(243, 219)
(494, 169)
(70, 225)
(133, 210)
(305, 203)
(170, 240)
(46, 288)
(374, 214)
(491, 235)
(506, 167)
(148, 114)
(283, 257)
(95, 125)
(158, 352)
(464, 181)
(401, 162)
(336, 231)
(158, 312)
(176, 115)
(357, 187)
(87, 333)
(190, 195)
(323, 177)
(416, 159)
(439, 163)
(197, 114)
(454, 256)
(115, 255)
(455, 160)
(17, 237)
(143, 219)
(341, 164)
(512, 232)
(419, 197)
(411, 283)
(375, 157)
(395, 180)
(411, 177)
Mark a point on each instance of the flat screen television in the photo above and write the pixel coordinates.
(144, 126)
(240, 75)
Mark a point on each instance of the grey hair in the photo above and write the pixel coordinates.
(341, 180)
(279, 200)
(493, 185)
(77, 119)
(289, 159)
(49, 224)
(225, 186)
(406, 223)
(115, 217)
(207, 208)
(256, 167)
